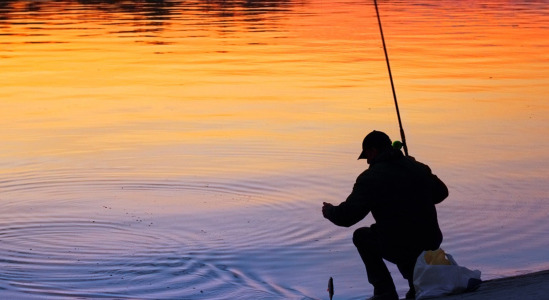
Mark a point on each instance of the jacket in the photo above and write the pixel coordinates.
(401, 194)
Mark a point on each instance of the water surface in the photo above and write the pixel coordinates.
(169, 149)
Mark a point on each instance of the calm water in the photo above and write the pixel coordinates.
(170, 149)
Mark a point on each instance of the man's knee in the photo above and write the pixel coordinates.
(363, 236)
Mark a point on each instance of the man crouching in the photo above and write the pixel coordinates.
(401, 194)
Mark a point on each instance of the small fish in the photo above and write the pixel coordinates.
(331, 287)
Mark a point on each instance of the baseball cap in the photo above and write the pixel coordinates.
(375, 139)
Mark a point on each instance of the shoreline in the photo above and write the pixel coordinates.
(532, 286)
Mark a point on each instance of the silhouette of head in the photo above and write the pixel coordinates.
(375, 141)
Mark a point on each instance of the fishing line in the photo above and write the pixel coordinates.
(404, 144)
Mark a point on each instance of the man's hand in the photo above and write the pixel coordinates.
(326, 208)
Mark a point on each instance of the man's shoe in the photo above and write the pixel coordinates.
(385, 296)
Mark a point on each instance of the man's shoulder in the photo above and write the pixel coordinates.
(419, 165)
(373, 174)
(366, 175)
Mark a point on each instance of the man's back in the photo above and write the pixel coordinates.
(402, 199)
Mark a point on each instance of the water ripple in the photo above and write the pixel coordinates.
(75, 258)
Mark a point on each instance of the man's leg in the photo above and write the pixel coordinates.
(406, 268)
(405, 258)
(369, 247)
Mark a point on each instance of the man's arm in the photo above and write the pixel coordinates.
(439, 190)
(351, 211)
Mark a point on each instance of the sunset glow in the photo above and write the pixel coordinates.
(142, 139)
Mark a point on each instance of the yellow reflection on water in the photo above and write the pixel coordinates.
(74, 84)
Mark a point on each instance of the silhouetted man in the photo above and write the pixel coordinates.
(401, 194)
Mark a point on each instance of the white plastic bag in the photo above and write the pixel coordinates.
(440, 275)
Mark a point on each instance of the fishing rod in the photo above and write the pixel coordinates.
(404, 144)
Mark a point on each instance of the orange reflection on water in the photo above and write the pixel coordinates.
(103, 78)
